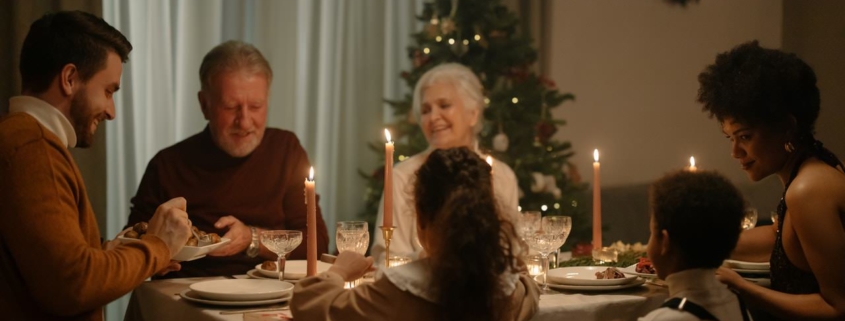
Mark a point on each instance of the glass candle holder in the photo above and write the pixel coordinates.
(605, 255)
(398, 260)
(534, 264)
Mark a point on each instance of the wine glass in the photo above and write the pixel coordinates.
(281, 242)
(750, 218)
(548, 239)
(774, 216)
(558, 224)
(529, 222)
(352, 236)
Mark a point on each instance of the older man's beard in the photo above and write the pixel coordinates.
(81, 117)
(229, 146)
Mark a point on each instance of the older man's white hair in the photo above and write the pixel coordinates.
(467, 85)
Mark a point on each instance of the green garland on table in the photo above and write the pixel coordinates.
(624, 259)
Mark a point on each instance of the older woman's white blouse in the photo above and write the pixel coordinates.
(404, 241)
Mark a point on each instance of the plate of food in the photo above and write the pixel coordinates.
(191, 251)
(643, 268)
(588, 275)
(294, 269)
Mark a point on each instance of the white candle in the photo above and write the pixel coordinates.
(596, 202)
(692, 167)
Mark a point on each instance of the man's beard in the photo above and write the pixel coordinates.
(82, 119)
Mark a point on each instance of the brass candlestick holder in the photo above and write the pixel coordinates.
(387, 233)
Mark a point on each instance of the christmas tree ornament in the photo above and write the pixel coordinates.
(500, 142)
(556, 193)
(538, 183)
(447, 26)
(550, 184)
(545, 130)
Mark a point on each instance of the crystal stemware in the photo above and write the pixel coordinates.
(749, 221)
(529, 222)
(352, 236)
(550, 237)
(557, 224)
(281, 242)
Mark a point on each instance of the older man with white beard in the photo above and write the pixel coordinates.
(240, 177)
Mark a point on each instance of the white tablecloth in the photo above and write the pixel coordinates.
(159, 301)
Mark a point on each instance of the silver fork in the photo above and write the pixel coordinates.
(201, 241)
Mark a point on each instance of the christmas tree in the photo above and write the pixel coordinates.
(518, 129)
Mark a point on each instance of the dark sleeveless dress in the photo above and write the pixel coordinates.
(786, 277)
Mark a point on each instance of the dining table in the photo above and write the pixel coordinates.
(160, 300)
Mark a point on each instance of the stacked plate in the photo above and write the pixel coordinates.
(583, 278)
(294, 270)
(238, 292)
(748, 267)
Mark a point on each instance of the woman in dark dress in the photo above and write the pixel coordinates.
(767, 103)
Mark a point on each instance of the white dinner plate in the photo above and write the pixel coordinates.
(632, 270)
(294, 269)
(188, 253)
(747, 271)
(192, 296)
(567, 287)
(256, 274)
(241, 289)
(748, 265)
(584, 275)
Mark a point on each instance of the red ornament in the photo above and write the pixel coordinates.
(545, 130)
(582, 249)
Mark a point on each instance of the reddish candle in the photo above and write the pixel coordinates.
(388, 181)
(596, 202)
(311, 242)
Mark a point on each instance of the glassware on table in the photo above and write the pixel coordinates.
(396, 260)
(281, 242)
(749, 221)
(534, 265)
(550, 237)
(529, 222)
(352, 236)
(774, 216)
(557, 223)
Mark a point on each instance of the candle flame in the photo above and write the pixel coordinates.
(596, 155)
(490, 160)
(311, 174)
(692, 161)
(387, 135)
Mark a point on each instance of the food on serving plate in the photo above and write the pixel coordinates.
(131, 234)
(610, 273)
(268, 266)
(141, 228)
(644, 266)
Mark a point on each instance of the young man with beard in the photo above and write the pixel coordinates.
(53, 265)
(240, 176)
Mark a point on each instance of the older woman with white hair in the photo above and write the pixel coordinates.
(448, 103)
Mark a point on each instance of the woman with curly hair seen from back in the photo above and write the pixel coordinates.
(767, 103)
(471, 271)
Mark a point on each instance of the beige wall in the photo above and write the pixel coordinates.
(815, 31)
(633, 68)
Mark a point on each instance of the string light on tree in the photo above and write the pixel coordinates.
(451, 41)
(426, 50)
(477, 37)
(544, 207)
(466, 42)
(515, 100)
(438, 39)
